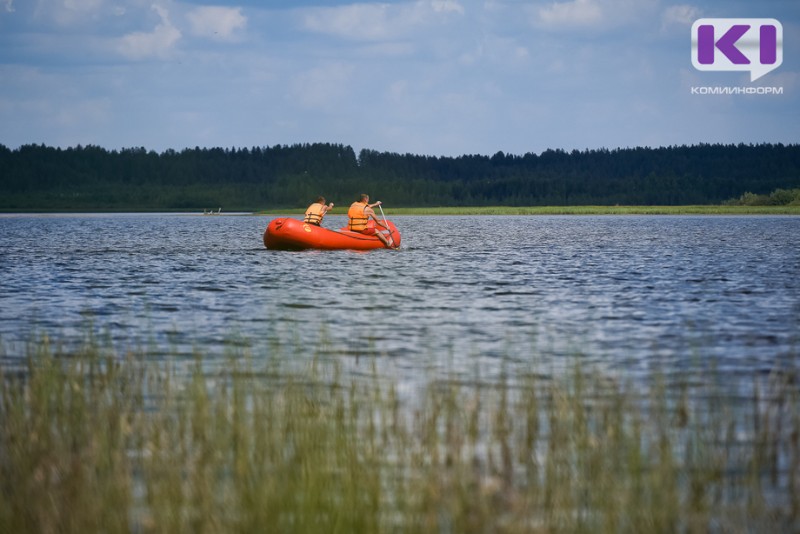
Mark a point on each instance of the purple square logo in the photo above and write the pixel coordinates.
(754, 45)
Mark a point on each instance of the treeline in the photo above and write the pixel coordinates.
(38, 177)
(779, 197)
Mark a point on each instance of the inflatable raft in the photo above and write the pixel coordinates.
(291, 234)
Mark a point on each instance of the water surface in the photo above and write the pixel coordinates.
(717, 293)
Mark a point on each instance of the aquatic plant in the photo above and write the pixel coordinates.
(96, 441)
(728, 209)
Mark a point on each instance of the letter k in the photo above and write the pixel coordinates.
(726, 44)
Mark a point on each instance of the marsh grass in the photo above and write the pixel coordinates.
(603, 210)
(726, 209)
(93, 441)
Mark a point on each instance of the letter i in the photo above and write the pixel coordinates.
(768, 44)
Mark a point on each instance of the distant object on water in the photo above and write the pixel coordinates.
(212, 212)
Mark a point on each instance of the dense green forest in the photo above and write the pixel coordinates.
(38, 177)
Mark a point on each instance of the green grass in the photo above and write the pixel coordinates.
(93, 441)
(578, 210)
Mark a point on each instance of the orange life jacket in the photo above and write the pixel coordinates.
(357, 218)
(314, 214)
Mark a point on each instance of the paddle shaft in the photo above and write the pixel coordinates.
(385, 222)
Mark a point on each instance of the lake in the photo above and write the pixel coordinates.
(466, 295)
(424, 389)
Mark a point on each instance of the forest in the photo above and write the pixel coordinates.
(83, 178)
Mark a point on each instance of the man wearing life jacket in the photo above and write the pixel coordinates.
(317, 211)
(359, 216)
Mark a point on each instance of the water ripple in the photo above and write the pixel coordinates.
(621, 291)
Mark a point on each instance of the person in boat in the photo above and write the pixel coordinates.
(360, 213)
(317, 211)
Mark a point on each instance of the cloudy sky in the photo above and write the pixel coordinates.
(438, 77)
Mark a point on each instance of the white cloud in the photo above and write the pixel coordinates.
(679, 15)
(83, 5)
(501, 51)
(216, 22)
(67, 12)
(158, 43)
(595, 14)
(356, 21)
(9, 6)
(573, 13)
(447, 6)
(378, 21)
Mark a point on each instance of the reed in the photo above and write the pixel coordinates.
(603, 210)
(94, 441)
(578, 210)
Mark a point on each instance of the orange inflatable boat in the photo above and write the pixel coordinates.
(291, 234)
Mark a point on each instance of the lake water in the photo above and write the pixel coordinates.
(464, 295)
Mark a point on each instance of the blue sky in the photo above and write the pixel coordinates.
(438, 77)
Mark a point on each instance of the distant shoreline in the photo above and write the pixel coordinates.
(576, 210)
(467, 210)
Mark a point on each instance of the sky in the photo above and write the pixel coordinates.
(433, 77)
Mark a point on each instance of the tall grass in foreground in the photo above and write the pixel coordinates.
(604, 210)
(94, 442)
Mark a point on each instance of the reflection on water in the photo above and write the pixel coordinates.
(621, 292)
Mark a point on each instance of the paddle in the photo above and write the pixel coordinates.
(385, 222)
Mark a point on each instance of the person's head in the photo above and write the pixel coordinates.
(320, 200)
(364, 198)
